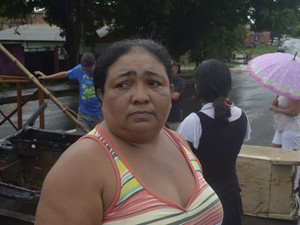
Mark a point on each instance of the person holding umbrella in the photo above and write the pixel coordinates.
(286, 121)
(280, 73)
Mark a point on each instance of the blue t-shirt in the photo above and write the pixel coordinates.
(89, 103)
(176, 114)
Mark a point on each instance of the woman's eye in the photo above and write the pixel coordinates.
(153, 83)
(122, 85)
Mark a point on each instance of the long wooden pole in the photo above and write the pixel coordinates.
(45, 90)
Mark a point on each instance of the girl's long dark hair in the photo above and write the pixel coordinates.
(213, 84)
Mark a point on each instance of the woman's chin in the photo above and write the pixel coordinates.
(143, 130)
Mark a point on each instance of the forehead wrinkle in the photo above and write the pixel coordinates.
(149, 73)
(125, 74)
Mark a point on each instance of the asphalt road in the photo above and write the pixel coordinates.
(255, 100)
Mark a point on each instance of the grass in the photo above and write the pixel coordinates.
(260, 50)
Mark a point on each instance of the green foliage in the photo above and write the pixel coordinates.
(4, 86)
(145, 19)
(261, 49)
(275, 16)
(77, 19)
(208, 29)
(17, 9)
(297, 32)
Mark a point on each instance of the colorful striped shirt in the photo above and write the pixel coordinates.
(135, 204)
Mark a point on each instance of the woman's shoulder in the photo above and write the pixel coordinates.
(82, 156)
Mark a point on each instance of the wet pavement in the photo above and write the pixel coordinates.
(246, 93)
(55, 119)
(255, 100)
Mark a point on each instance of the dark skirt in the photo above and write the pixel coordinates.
(232, 207)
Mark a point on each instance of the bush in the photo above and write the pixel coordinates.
(260, 50)
(4, 86)
(297, 31)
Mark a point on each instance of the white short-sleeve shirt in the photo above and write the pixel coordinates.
(191, 130)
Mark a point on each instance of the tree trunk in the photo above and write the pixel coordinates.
(74, 40)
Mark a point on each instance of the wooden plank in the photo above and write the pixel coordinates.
(282, 200)
(292, 216)
(275, 155)
(17, 215)
(254, 177)
(266, 177)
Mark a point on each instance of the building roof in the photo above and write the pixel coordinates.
(32, 32)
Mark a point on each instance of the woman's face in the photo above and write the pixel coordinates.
(137, 97)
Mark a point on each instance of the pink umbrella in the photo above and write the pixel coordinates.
(279, 72)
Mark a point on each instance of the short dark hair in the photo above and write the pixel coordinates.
(117, 49)
(87, 60)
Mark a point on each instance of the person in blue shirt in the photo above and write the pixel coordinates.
(89, 110)
(176, 115)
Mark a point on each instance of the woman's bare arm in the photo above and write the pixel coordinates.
(71, 192)
(292, 110)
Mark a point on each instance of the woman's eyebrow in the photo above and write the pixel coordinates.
(150, 73)
(132, 73)
(125, 74)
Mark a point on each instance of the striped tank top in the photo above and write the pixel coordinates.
(135, 204)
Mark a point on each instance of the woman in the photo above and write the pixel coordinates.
(216, 134)
(129, 169)
(286, 123)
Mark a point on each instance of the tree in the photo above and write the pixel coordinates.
(196, 25)
(213, 29)
(274, 15)
(210, 29)
(78, 19)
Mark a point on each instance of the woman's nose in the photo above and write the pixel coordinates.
(140, 94)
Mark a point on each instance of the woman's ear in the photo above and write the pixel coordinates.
(100, 94)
